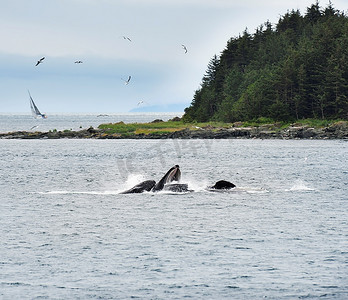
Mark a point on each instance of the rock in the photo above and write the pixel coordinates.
(91, 130)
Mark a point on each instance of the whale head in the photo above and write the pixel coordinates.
(174, 174)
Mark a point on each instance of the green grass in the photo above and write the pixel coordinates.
(138, 128)
(171, 126)
(159, 127)
(316, 123)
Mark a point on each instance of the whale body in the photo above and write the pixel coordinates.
(141, 187)
(177, 187)
(223, 185)
(174, 174)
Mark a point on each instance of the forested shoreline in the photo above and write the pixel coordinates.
(295, 69)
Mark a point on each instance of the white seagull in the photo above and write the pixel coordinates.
(34, 127)
(127, 81)
(39, 61)
(78, 62)
(184, 47)
(140, 102)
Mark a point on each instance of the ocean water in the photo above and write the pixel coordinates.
(67, 233)
(25, 122)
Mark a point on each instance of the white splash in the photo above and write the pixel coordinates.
(300, 185)
(133, 179)
(195, 185)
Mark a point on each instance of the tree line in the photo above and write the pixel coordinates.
(295, 69)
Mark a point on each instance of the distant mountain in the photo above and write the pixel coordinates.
(161, 108)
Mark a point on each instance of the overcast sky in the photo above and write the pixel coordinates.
(64, 31)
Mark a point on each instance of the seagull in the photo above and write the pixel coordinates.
(126, 38)
(140, 102)
(127, 81)
(78, 62)
(39, 61)
(184, 47)
(34, 127)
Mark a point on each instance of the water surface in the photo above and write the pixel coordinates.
(68, 234)
(25, 122)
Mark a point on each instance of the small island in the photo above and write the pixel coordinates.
(177, 129)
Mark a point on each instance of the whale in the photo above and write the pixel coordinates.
(177, 188)
(222, 185)
(170, 182)
(141, 187)
(174, 174)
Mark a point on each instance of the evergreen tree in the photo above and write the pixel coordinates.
(295, 69)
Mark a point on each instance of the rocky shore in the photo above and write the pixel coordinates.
(338, 130)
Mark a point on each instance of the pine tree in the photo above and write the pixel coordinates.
(295, 69)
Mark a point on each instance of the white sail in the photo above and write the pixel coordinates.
(34, 110)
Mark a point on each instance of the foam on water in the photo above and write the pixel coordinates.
(194, 184)
(251, 190)
(133, 179)
(300, 185)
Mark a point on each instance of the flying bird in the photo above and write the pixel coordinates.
(39, 61)
(78, 62)
(184, 47)
(126, 38)
(140, 102)
(127, 81)
(34, 127)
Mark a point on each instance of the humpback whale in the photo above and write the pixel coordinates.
(173, 175)
(141, 187)
(223, 185)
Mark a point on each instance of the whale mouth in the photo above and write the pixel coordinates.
(174, 175)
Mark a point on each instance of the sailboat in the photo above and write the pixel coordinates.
(34, 110)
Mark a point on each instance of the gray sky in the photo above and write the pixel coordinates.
(64, 31)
